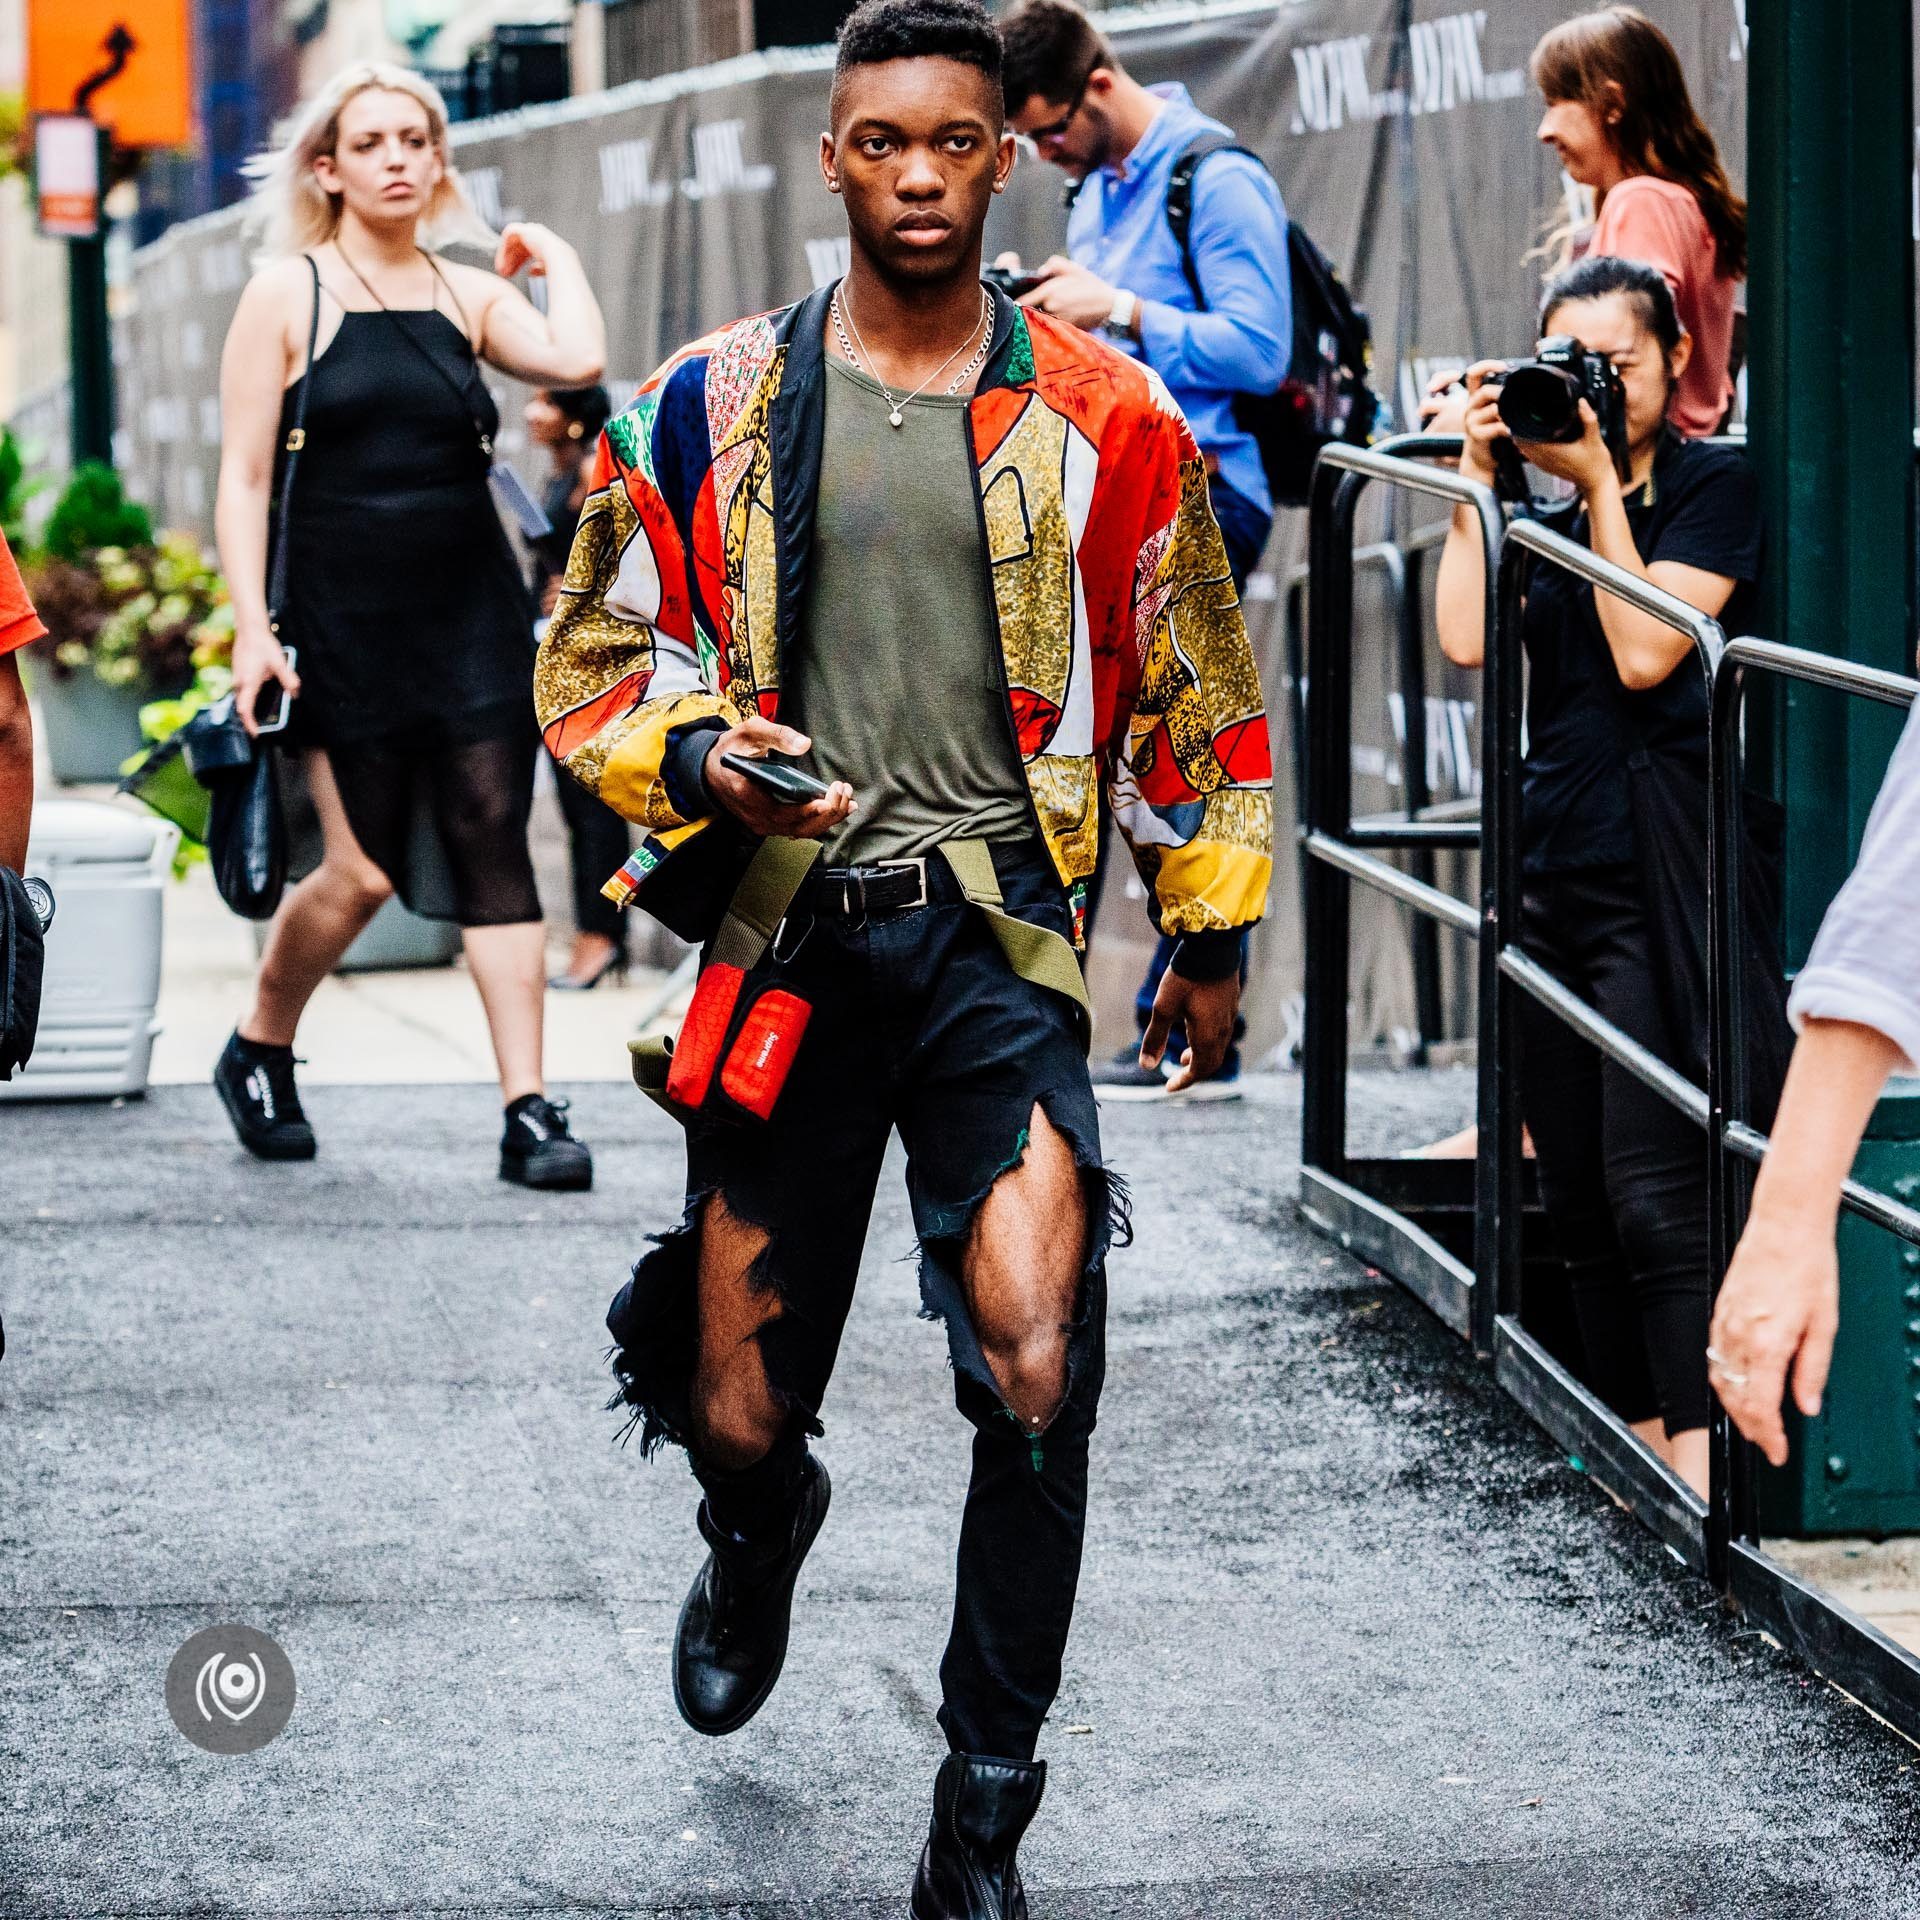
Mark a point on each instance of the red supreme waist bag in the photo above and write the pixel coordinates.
(741, 1036)
(737, 1044)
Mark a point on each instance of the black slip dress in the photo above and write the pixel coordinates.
(414, 629)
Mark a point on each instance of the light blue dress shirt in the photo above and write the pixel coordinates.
(1243, 341)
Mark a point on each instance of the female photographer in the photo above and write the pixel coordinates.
(1620, 119)
(413, 628)
(566, 421)
(1615, 698)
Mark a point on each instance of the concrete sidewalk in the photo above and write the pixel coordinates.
(1354, 1640)
(414, 1027)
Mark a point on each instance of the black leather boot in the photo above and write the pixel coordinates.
(732, 1639)
(981, 1807)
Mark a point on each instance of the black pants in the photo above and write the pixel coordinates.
(597, 844)
(1622, 1173)
(918, 1023)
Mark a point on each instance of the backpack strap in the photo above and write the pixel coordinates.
(1180, 198)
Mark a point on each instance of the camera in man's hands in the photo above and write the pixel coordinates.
(1015, 283)
(1540, 398)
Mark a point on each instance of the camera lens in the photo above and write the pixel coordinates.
(1540, 403)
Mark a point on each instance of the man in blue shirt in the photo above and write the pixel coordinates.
(1123, 276)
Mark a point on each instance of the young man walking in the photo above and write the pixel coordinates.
(957, 560)
(1214, 319)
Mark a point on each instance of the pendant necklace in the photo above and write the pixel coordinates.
(896, 414)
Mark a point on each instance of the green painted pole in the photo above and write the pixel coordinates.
(1831, 398)
(1831, 420)
(91, 350)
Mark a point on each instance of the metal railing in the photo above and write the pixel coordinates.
(1402, 1214)
(1336, 852)
(1848, 1650)
(1402, 567)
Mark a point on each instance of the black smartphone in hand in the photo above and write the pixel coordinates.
(777, 779)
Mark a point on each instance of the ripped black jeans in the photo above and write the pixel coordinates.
(918, 1023)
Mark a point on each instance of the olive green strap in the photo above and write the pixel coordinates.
(760, 902)
(1035, 953)
(652, 1062)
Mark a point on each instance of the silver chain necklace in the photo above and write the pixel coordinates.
(897, 405)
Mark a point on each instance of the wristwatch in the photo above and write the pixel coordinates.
(1125, 306)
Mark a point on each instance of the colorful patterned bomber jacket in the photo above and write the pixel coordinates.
(1126, 659)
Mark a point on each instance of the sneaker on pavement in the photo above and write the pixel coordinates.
(256, 1086)
(1124, 1078)
(538, 1150)
(1225, 1085)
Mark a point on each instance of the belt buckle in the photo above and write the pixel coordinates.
(920, 866)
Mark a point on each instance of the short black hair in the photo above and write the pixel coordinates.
(1051, 48)
(878, 30)
(1601, 274)
(588, 407)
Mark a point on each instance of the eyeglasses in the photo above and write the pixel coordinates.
(1056, 129)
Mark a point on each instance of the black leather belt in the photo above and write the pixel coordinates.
(866, 893)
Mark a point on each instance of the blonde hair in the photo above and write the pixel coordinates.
(290, 211)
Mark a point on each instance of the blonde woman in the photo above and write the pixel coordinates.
(414, 708)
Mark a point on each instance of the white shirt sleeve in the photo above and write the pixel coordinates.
(1865, 964)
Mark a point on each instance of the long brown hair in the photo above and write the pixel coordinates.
(1658, 131)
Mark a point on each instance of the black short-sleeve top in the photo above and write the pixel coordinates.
(1700, 508)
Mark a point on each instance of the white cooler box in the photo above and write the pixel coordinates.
(109, 868)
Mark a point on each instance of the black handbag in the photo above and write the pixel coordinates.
(233, 806)
(26, 911)
(246, 829)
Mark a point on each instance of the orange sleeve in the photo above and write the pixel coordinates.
(18, 621)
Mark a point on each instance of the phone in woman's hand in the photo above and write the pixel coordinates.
(278, 724)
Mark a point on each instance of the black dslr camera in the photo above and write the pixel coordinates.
(1540, 398)
(1014, 285)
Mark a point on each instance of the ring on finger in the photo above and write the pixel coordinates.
(1717, 1363)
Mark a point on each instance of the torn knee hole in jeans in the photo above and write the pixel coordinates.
(943, 1250)
(655, 1322)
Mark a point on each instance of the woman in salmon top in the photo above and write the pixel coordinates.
(1621, 120)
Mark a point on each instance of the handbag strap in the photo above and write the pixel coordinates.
(296, 439)
(460, 389)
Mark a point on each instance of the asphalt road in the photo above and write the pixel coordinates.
(1354, 1639)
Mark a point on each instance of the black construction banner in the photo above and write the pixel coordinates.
(1410, 156)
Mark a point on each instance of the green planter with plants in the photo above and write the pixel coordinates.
(129, 614)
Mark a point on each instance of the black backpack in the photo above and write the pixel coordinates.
(1325, 395)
